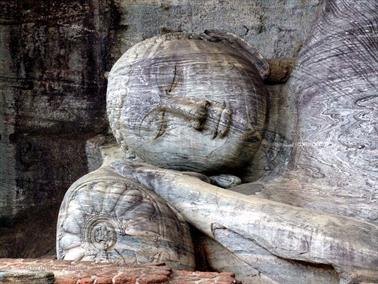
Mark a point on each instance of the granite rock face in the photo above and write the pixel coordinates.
(333, 166)
(52, 55)
(276, 28)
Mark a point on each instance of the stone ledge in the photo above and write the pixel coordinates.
(66, 272)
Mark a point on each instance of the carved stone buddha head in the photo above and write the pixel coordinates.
(189, 102)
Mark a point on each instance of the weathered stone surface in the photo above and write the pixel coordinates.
(52, 58)
(8, 79)
(107, 218)
(249, 256)
(26, 277)
(190, 102)
(333, 164)
(268, 230)
(53, 55)
(338, 177)
(219, 258)
(29, 234)
(256, 268)
(96, 150)
(225, 181)
(53, 95)
(66, 272)
(276, 28)
(285, 231)
(280, 70)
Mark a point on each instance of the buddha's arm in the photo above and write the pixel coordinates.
(285, 231)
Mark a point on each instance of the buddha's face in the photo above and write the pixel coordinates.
(191, 106)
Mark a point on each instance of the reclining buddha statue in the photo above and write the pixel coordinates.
(194, 115)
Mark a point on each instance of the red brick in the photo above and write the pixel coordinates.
(154, 278)
(67, 272)
(65, 281)
(104, 280)
(88, 280)
(124, 279)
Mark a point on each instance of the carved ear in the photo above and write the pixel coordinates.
(243, 47)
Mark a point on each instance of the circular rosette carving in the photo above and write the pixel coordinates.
(101, 233)
(107, 218)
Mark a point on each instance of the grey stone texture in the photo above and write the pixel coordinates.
(54, 56)
(107, 218)
(322, 171)
(276, 28)
(24, 276)
(253, 264)
(271, 228)
(332, 94)
(190, 102)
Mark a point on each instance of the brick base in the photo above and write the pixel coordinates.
(43, 271)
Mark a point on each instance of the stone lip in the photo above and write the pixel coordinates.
(68, 272)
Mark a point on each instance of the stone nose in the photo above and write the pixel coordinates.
(201, 113)
(195, 111)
